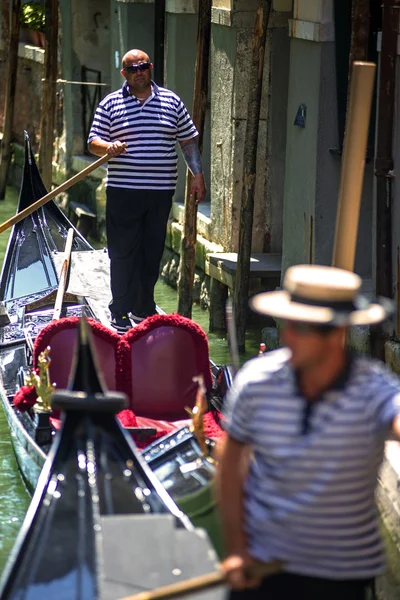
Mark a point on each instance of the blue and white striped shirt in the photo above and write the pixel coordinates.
(309, 499)
(151, 131)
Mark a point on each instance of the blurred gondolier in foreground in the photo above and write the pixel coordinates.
(306, 428)
(138, 126)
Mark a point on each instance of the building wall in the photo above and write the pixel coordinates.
(276, 144)
(28, 94)
(313, 160)
(87, 26)
(301, 152)
(132, 26)
(231, 50)
(223, 57)
(181, 34)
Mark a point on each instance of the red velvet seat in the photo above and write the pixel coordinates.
(61, 336)
(157, 362)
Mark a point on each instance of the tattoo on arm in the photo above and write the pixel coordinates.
(191, 154)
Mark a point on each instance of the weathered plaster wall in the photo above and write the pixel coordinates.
(223, 60)
(87, 26)
(240, 104)
(231, 51)
(276, 144)
(28, 95)
(231, 54)
(312, 171)
(132, 26)
(301, 152)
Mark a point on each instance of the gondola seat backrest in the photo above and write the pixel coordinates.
(62, 335)
(157, 361)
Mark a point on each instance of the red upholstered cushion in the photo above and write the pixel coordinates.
(61, 336)
(127, 418)
(157, 362)
(25, 398)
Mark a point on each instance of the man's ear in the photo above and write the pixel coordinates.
(122, 71)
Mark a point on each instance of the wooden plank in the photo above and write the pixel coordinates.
(221, 264)
(218, 273)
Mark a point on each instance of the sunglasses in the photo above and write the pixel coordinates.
(303, 328)
(135, 68)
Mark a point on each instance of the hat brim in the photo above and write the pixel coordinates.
(279, 305)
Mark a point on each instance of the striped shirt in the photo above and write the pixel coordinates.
(151, 131)
(309, 498)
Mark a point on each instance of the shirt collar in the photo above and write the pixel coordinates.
(126, 92)
(338, 384)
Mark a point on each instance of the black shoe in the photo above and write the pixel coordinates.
(121, 322)
(137, 316)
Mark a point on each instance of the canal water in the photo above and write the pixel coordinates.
(14, 499)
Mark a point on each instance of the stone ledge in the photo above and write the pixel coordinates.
(203, 221)
(81, 161)
(181, 6)
(245, 18)
(311, 31)
(31, 53)
(203, 246)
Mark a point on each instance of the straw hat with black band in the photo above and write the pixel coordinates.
(321, 295)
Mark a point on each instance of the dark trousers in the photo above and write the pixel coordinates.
(136, 222)
(298, 587)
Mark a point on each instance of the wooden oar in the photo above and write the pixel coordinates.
(61, 188)
(353, 162)
(63, 275)
(202, 582)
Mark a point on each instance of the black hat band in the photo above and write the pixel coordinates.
(343, 306)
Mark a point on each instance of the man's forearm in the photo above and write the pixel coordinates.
(191, 154)
(98, 146)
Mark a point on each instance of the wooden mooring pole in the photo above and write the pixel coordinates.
(256, 68)
(49, 92)
(360, 20)
(159, 41)
(188, 244)
(11, 81)
(384, 170)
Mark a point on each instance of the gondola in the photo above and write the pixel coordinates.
(157, 422)
(100, 524)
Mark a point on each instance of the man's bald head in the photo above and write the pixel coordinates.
(133, 57)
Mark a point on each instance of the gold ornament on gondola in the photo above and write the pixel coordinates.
(197, 412)
(41, 382)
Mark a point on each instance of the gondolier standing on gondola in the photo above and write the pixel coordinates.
(138, 126)
(311, 419)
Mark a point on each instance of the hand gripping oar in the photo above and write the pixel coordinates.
(61, 188)
(202, 582)
(63, 275)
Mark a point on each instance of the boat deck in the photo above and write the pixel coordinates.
(90, 277)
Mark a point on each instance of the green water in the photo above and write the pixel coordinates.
(14, 499)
